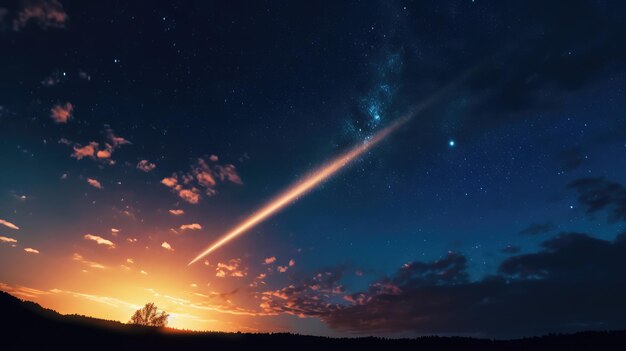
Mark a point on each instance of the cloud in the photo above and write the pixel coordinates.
(193, 226)
(77, 257)
(169, 182)
(167, 246)
(93, 150)
(62, 113)
(81, 152)
(106, 153)
(109, 301)
(531, 294)
(116, 141)
(130, 260)
(177, 212)
(5, 239)
(46, 14)
(31, 250)
(204, 176)
(190, 195)
(232, 268)
(143, 272)
(100, 240)
(599, 194)
(292, 263)
(8, 224)
(269, 260)
(282, 269)
(94, 183)
(538, 228)
(23, 291)
(146, 165)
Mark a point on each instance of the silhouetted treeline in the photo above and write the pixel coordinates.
(28, 326)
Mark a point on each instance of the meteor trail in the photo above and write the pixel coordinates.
(322, 173)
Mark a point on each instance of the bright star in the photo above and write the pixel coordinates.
(451, 143)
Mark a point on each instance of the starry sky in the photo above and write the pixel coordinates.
(135, 134)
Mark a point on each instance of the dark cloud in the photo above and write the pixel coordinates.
(538, 228)
(599, 194)
(573, 283)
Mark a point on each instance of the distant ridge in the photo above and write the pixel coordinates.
(28, 326)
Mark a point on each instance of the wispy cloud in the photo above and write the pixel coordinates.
(31, 250)
(146, 165)
(193, 226)
(177, 212)
(46, 14)
(169, 182)
(282, 269)
(110, 301)
(100, 240)
(270, 260)
(94, 183)
(8, 224)
(5, 239)
(79, 258)
(22, 291)
(167, 246)
(62, 113)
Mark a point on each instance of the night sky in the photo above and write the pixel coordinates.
(133, 135)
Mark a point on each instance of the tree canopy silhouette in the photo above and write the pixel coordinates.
(149, 316)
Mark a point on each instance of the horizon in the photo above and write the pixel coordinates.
(335, 168)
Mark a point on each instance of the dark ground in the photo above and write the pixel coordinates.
(28, 326)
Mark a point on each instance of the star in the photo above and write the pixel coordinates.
(451, 143)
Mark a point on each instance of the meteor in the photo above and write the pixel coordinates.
(322, 173)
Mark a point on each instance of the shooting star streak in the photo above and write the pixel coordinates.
(323, 173)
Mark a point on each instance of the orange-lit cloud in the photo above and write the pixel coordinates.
(106, 153)
(22, 291)
(94, 183)
(5, 239)
(45, 13)
(282, 269)
(8, 224)
(177, 212)
(100, 240)
(62, 113)
(130, 260)
(79, 258)
(204, 176)
(270, 260)
(116, 141)
(31, 250)
(232, 268)
(189, 195)
(146, 165)
(292, 263)
(81, 152)
(192, 226)
(167, 246)
(169, 182)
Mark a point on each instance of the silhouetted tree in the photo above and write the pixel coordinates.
(150, 316)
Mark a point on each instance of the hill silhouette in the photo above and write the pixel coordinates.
(28, 326)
